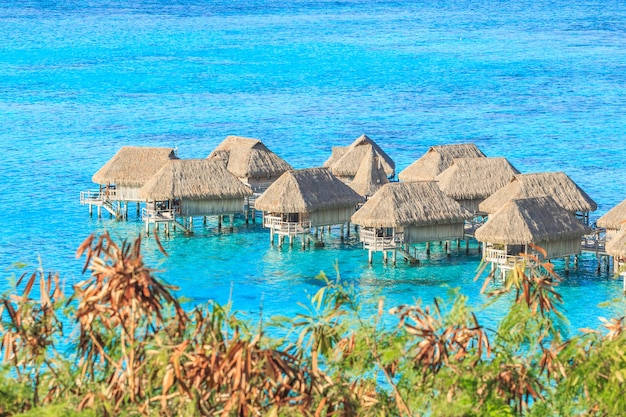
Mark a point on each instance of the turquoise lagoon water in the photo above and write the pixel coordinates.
(541, 83)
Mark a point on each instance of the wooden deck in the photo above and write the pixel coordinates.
(283, 228)
(100, 199)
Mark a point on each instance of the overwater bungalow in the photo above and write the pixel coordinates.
(370, 176)
(191, 188)
(306, 198)
(558, 185)
(400, 214)
(613, 220)
(345, 162)
(123, 175)
(540, 221)
(436, 160)
(250, 161)
(616, 247)
(471, 180)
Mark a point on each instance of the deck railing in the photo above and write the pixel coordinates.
(154, 215)
(497, 256)
(594, 241)
(281, 227)
(378, 243)
(96, 196)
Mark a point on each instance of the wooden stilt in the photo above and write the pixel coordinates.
(138, 209)
(458, 243)
(271, 237)
(90, 210)
(253, 216)
(99, 212)
(427, 248)
(348, 230)
(232, 222)
(290, 241)
(385, 256)
(342, 232)
(395, 256)
(466, 245)
(369, 257)
(219, 221)
(567, 264)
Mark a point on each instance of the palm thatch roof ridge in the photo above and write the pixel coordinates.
(335, 155)
(614, 218)
(555, 184)
(617, 245)
(370, 176)
(133, 165)
(437, 159)
(530, 220)
(193, 179)
(306, 191)
(473, 178)
(400, 204)
(247, 158)
(348, 164)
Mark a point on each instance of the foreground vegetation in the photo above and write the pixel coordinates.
(123, 345)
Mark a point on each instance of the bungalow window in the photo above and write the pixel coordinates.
(515, 250)
(384, 232)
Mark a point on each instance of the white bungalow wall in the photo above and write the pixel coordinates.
(332, 216)
(561, 248)
(189, 208)
(127, 193)
(418, 234)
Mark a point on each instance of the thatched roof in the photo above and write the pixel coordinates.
(336, 154)
(473, 178)
(436, 160)
(249, 158)
(555, 184)
(370, 176)
(193, 179)
(400, 204)
(617, 245)
(348, 164)
(306, 191)
(133, 165)
(614, 218)
(530, 220)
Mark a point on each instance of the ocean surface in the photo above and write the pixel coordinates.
(542, 83)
